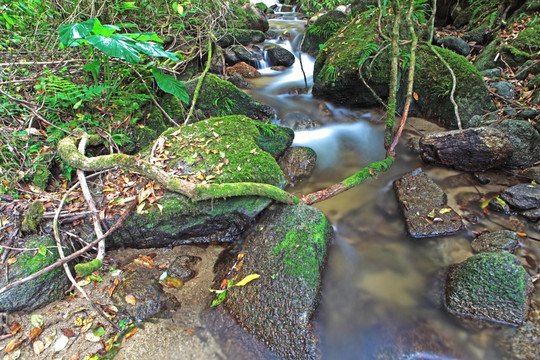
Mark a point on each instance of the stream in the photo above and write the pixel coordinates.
(378, 286)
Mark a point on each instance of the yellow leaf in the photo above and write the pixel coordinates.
(445, 210)
(130, 299)
(247, 279)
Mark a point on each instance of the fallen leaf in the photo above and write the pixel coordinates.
(415, 96)
(15, 327)
(75, 356)
(522, 234)
(37, 320)
(89, 336)
(190, 331)
(130, 299)
(68, 332)
(247, 279)
(35, 332)
(38, 347)
(131, 333)
(61, 343)
(14, 344)
(445, 210)
(142, 263)
(11, 260)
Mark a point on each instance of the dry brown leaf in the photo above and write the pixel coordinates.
(146, 258)
(130, 299)
(143, 263)
(75, 356)
(11, 260)
(14, 344)
(35, 332)
(38, 347)
(68, 332)
(15, 327)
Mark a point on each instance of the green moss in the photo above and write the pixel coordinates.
(33, 217)
(41, 176)
(303, 251)
(223, 149)
(31, 262)
(528, 40)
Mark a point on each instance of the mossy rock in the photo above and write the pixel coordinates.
(38, 292)
(512, 56)
(220, 98)
(241, 36)
(489, 287)
(336, 77)
(41, 176)
(528, 40)
(288, 249)
(32, 217)
(321, 30)
(221, 150)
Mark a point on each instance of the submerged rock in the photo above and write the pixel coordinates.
(424, 206)
(288, 250)
(475, 149)
(298, 163)
(489, 287)
(279, 56)
(182, 267)
(140, 296)
(503, 240)
(521, 343)
(41, 291)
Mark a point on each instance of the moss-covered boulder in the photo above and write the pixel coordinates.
(32, 217)
(219, 98)
(489, 287)
(41, 291)
(336, 76)
(249, 16)
(528, 40)
(288, 249)
(508, 55)
(321, 30)
(230, 149)
(241, 36)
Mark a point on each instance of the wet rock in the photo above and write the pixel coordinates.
(243, 69)
(238, 80)
(490, 287)
(521, 343)
(504, 89)
(249, 56)
(424, 206)
(503, 240)
(525, 140)
(298, 163)
(279, 56)
(523, 196)
(455, 44)
(499, 205)
(475, 149)
(35, 293)
(286, 8)
(480, 35)
(241, 36)
(532, 173)
(298, 121)
(256, 19)
(531, 215)
(288, 250)
(182, 267)
(140, 296)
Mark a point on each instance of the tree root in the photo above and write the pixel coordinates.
(196, 192)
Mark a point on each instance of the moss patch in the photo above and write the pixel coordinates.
(528, 40)
(33, 217)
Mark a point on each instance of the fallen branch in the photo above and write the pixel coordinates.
(72, 256)
(350, 182)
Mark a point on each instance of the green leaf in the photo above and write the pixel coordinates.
(36, 320)
(70, 32)
(42, 250)
(219, 299)
(95, 278)
(99, 331)
(154, 49)
(118, 46)
(170, 85)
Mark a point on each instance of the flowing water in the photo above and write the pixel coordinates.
(378, 287)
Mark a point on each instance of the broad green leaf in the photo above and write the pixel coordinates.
(104, 30)
(147, 36)
(170, 85)
(117, 46)
(247, 279)
(99, 331)
(70, 32)
(154, 49)
(219, 299)
(36, 320)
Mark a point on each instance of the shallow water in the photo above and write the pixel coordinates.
(379, 282)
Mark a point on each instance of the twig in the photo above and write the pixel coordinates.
(155, 101)
(90, 201)
(72, 256)
(300, 59)
(199, 83)
(379, 29)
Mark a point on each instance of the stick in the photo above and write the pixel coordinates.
(199, 83)
(72, 256)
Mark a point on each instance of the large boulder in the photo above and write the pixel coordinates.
(231, 149)
(336, 76)
(490, 287)
(474, 149)
(321, 30)
(219, 98)
(241, 36)
(288, 249)
(38, 292)
(279, 56)
(424, 206)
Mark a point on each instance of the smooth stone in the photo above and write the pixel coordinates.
(503, 240)
(523, 196)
